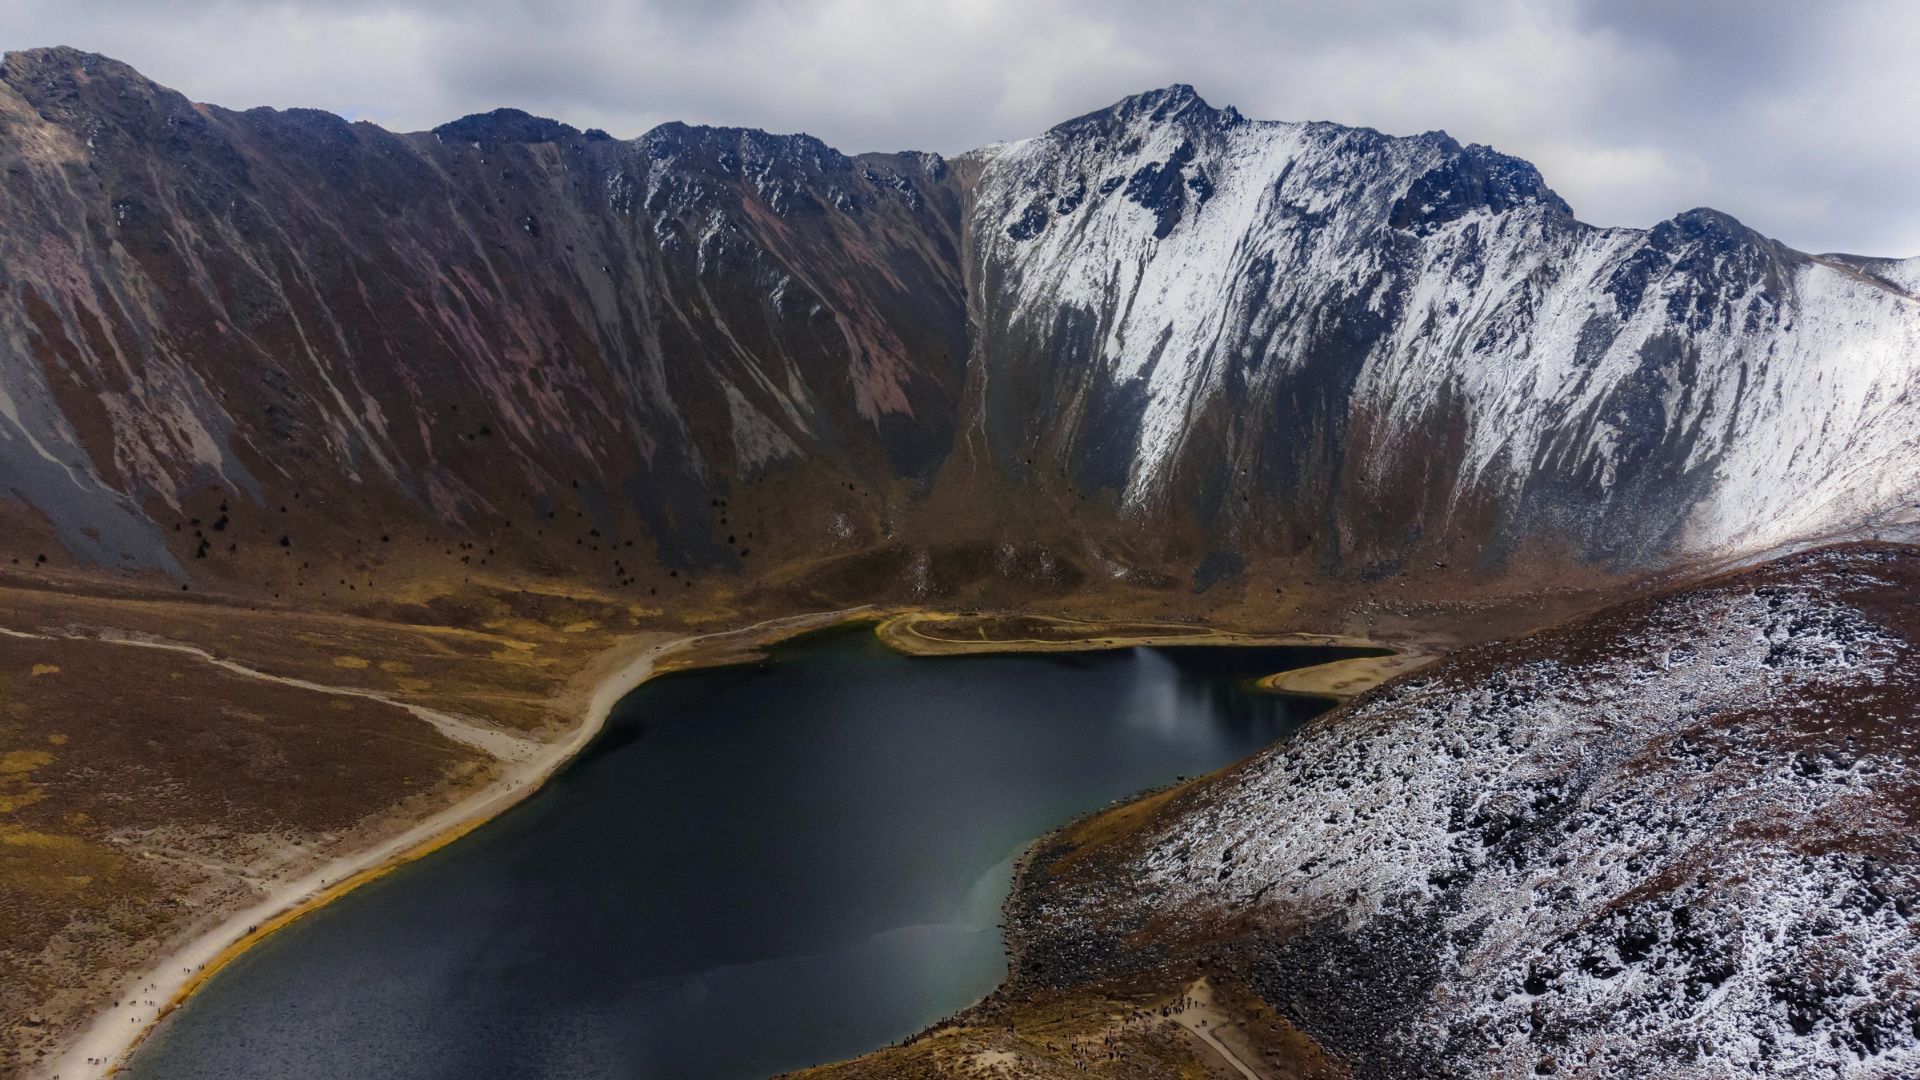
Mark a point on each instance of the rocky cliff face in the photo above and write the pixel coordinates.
(1208, 340)
(457, 331)
(1310, 335)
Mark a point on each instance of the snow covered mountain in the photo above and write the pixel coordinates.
(1286, 329)
(1160, 334)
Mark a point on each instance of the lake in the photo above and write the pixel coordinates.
(753, 869)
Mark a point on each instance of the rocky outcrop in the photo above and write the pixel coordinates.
(1673, 839)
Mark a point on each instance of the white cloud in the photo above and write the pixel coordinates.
(1795, 117)
(1618, 184)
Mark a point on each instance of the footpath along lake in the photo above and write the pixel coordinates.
(753, 869)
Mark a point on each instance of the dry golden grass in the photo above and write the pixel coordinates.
(1342, 679)
(492, 657)
(930, 633)
(147, 792)
(140, 788)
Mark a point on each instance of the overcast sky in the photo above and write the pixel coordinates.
(1801, 117)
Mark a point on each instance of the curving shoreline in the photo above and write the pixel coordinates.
(106, 1042)
(1343, 680)
(918, 633)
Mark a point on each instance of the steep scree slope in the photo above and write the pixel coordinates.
(456, 329)
(1675, 839)
(1160, 329)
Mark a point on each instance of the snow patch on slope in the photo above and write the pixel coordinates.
(1679, 845)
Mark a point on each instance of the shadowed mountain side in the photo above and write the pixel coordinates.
(1161, 345)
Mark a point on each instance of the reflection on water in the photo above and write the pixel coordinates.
(756, 869)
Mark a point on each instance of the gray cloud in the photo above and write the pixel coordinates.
(1796, 117)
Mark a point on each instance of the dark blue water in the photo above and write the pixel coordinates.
(754, 869)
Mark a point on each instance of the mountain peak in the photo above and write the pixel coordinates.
(61, 68)
(1172, 94)
(58, 56)
(1178, 102)
(1474, 177)
(508, 125)
(75, 87)
(1162, 104)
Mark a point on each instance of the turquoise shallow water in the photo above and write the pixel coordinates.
(753, 869)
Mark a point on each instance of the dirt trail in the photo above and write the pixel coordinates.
(1203, 1017)
(492, 741)
(143, 1000)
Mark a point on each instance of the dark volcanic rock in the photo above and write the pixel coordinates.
(1673, 839)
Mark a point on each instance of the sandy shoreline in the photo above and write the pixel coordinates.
(106, 1042)
(1341, 680)
(917, 633)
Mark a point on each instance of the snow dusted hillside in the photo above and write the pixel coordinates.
(1347, 319)
(1237, 344)
(1676, 839)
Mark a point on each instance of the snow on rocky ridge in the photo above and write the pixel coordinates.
(1675, 839)
(1379, 299)
(1242, 342)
